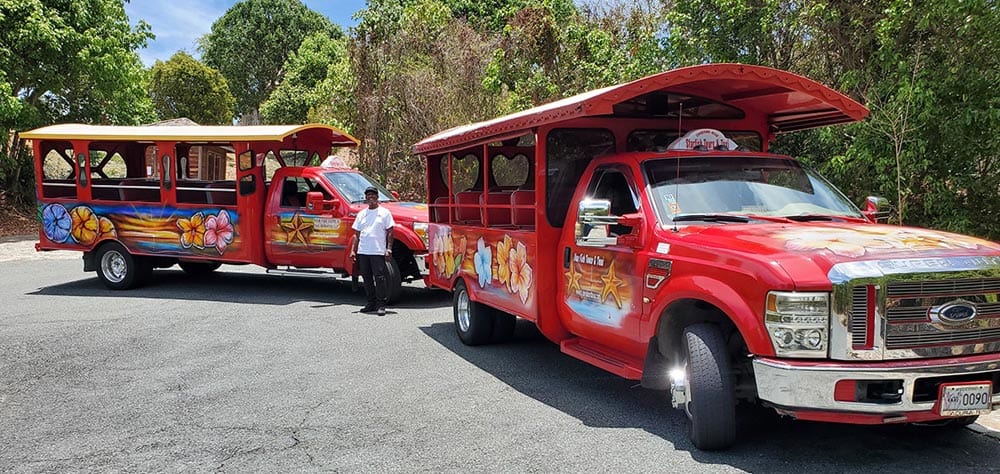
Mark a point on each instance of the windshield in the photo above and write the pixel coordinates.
(352, 186)
(704, 188)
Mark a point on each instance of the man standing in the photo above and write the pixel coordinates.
(372, 248)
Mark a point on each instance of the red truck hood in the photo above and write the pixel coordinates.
(404, 212)
(807, 251)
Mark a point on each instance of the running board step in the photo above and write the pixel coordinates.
(604, 357)
(304, 272)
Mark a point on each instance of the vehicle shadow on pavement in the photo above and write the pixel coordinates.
(536, 368)
(248, 288)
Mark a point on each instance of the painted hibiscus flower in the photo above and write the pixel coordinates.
(437, 253)
(85, 225)
(56, 223)
(107, 227)
(192, 231)
(520, 272)
(219, 231)
(483, 261)
(503, 260)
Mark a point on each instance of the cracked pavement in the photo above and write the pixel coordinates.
(245, 372)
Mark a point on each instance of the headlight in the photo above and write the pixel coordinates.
(420, 228)
(798, 323)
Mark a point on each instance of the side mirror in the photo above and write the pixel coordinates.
(593, 218)
(316, 203)
(633, 221)
(877, 209)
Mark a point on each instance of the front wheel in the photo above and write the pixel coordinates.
(118, 269)
(473, 321)
(711, 404)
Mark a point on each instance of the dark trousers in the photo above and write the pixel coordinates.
(374, 272)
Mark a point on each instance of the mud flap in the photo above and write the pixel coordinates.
(655, 369)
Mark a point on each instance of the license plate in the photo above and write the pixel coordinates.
(965, 399)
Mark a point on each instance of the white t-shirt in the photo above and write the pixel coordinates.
(373, 224)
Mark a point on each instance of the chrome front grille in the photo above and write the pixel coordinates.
(913, 308)
(933, 338)
(908, 314)
(858, 325)
(970, 286)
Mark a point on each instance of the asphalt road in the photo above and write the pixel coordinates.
(244, 372)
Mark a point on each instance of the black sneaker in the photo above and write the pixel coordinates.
(381, 311)
(369, 308)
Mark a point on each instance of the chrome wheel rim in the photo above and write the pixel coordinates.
(113, 266)
(462, 310)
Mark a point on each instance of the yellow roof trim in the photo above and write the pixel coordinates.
(200, 133)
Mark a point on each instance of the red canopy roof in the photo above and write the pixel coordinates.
(785, 101)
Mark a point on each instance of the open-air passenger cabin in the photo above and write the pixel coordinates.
(492, 173)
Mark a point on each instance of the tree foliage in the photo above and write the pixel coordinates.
(927, 70)
(66, 61)
(318, 75)
(184, 87)
(250, 43)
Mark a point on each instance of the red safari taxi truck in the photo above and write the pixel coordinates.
(647, 230)
(137, 198)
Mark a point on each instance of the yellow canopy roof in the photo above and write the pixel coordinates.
(194, 133)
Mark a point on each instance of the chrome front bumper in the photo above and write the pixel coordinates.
(810, 386)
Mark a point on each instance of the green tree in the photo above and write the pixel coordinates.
(317, 75)
(184, 87)
(552, 49)
(250, 43)
(417, 71)
(67, 61)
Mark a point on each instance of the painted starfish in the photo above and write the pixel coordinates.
(298, 229)
(572, 280)
(611, 285)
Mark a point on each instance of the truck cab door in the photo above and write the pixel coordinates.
(600, 287)
(304, 227)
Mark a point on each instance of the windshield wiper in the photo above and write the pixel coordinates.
(710, 218)
(812, 217)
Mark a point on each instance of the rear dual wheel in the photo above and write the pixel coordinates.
(477, 323)
(119, 270)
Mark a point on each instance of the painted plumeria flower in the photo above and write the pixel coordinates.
(86, 226)
(56, 223)
(520, 272)
(483, 262)
(219, 231)
(192, 231)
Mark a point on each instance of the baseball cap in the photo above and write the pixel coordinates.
(371, 189)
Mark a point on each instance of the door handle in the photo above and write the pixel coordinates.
(566, 255)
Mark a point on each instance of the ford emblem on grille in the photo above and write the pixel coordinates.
(953, 312)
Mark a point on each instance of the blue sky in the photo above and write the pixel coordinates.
(178, 24)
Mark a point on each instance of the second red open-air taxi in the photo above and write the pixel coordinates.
(647, 230)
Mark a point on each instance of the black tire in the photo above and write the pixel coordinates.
(503, 326)
(199, 268)
(711, 404)
(119, 270)
(394, 280)
(473, 321)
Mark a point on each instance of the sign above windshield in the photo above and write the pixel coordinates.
(703, 139)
